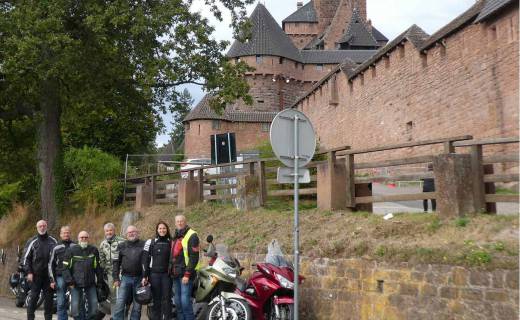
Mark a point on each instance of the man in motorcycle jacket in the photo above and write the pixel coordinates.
(185, 264)
(36, 260)
(56, 272)
(128, 273)
(82, 273)
(107, 253)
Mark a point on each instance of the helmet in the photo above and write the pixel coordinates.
(14, 279)
(143, 295)
(103, 291)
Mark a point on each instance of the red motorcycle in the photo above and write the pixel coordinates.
(269, 291)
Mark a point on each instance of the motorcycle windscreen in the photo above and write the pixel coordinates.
(275, 255)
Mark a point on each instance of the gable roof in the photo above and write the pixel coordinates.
(357, 33)
(267, 38)
(203, 111)
(491, 7)
(307, 13)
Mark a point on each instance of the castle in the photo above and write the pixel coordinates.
(330, 62)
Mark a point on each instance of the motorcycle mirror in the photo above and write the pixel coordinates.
(209, 239)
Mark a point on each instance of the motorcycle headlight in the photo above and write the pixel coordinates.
(230, 272)
(284, 282)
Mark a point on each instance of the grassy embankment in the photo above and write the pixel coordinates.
(482, 240)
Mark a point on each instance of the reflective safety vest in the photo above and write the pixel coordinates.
(184, 243)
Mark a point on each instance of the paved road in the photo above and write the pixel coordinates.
(417, 206)
(8, 311)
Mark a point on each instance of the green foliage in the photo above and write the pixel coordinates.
(381, 251)
(478, 257)
(434, 225)
(461, 222)
(182, 110)
(499, 246)
(8, 194)
(103, 71)
(93, 175)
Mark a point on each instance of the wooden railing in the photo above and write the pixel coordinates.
(222, 186)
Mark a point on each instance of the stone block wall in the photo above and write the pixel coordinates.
(357, 289)
(470, 86)
(197, 138)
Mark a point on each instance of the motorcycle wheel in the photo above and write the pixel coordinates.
(286, 312)
(20, 300)
(237, 309)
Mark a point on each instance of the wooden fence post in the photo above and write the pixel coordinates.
(154, 189)
(200, 179)
(350, 181)
(251, 168)
(479, 192)
(449, 147)
(489, 188)
(262, 183)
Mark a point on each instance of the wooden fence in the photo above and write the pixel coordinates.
(219, 182)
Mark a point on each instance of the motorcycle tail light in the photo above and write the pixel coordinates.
(214, 280)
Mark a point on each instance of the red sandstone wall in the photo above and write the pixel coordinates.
(197, 138)
(471, 87)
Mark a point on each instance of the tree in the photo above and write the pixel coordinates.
(181, 111)
(60, 57)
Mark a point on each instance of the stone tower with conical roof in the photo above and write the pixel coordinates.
(283, 71)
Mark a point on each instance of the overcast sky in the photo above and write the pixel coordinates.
(391, 17)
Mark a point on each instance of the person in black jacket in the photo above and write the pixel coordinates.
(56, 272)
(128, 273)
(156, 260)
(35, 262)
(185, 264)
(82, 272)
(429, 186)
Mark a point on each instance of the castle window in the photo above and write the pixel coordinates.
(237, 60)
(296, 65)
(409, 125)
(493, 33)
(215, 124)
(319, 67)
(401, 51)
(265, 127)
(199, 129)
(259, 59)
(424, 60)
(443, 50)
(187, 126)
(303, 66)
(387, 62)
(374, 72)
(280, 60)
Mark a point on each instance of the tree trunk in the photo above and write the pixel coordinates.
(50, 160)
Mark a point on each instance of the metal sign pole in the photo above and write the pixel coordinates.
(296, 220)
(126, 173)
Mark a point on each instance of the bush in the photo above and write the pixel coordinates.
(461, 222)
(93, 175)
(8, 194)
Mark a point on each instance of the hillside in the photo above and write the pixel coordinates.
(483, 240)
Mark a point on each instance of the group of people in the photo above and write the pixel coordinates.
(168, 262)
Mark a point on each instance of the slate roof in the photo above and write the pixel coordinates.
(491, 7)
(336, 56)
(454, 25)
(307, 13)
(203, 111)
(378, 35)
(267, 38)
(357, 33)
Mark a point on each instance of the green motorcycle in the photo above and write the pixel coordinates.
(216, 283)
